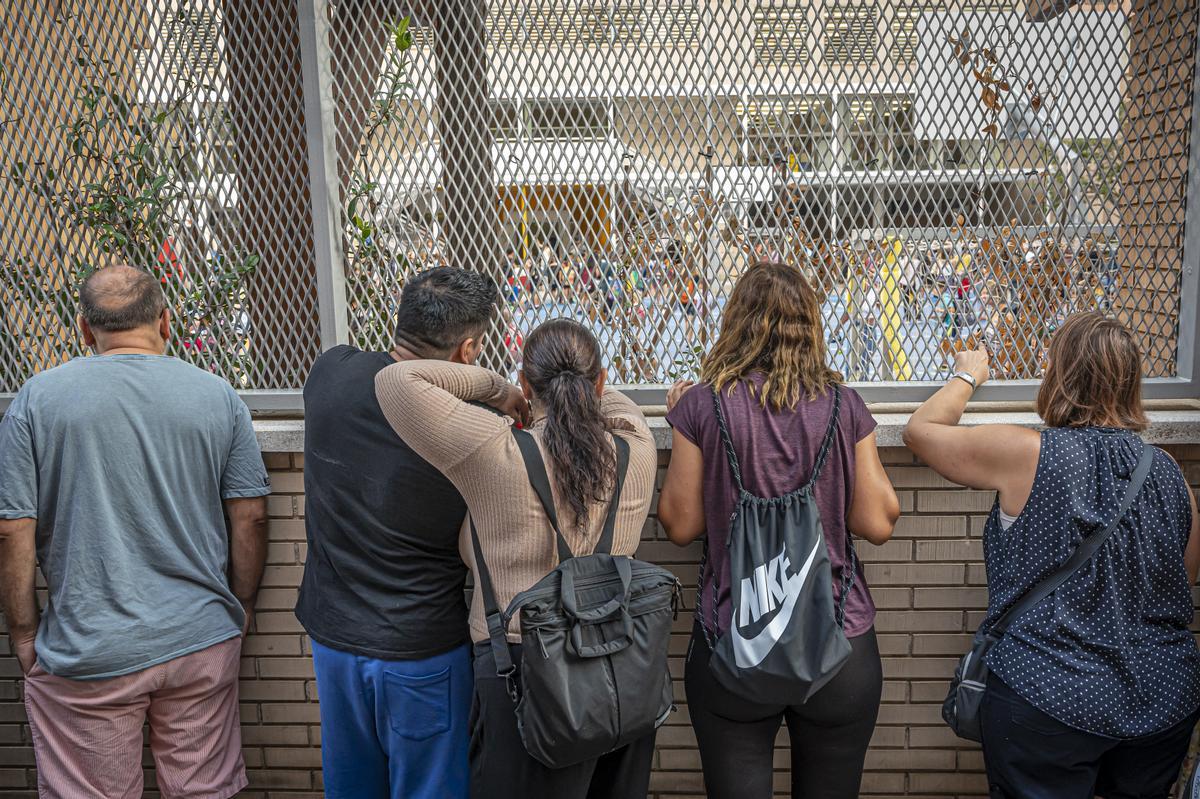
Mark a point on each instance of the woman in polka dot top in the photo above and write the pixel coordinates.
(1096, 689)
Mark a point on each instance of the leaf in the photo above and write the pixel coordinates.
(990, 55)
(985, 76)
(1036, 102)
(401, 35)
(992, 130)
(964, 59)
(991, 100)
(1030, 87)
(1004, 86)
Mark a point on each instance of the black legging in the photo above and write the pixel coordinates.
(829, 734)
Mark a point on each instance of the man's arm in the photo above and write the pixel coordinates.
(247, 550)
(18, 567)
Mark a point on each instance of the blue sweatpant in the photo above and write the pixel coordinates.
(394, 729)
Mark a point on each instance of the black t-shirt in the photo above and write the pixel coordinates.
(383, 578)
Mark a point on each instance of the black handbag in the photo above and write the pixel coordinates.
(961, 710)
(593, 675)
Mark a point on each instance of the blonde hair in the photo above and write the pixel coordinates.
(772, 325)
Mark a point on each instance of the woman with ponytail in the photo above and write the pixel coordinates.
(447, 413)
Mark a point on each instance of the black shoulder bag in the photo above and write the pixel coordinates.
(594, 674)
(961, 710)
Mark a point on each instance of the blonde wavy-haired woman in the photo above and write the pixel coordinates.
(777, 395)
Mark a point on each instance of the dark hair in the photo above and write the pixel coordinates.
(1094, 377)
(562, 365)
(118, 298)
(441, 307)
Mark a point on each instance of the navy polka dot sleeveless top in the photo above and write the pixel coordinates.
(1109, 652)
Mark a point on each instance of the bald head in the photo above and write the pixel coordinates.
(119, 298)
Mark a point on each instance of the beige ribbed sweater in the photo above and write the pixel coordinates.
(426, 402)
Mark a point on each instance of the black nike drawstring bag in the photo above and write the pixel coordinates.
(786, 637)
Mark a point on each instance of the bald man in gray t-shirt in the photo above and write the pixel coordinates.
(116, 472)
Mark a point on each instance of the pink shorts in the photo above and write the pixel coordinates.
(87, 734)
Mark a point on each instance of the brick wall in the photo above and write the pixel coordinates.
(928, 582)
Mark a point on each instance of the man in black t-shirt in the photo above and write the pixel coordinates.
(382, 595)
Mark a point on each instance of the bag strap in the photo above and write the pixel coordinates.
(1084, 553)
(535, 467)
(605, 544)
(830, 434)
(849, 572)
(850, 569)
(822, 453)
(734, 469)
(496, 626)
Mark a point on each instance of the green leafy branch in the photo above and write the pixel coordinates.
(123, 182)
(370, 252)
(383, 111)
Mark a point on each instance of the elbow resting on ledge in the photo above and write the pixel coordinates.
(911, 439)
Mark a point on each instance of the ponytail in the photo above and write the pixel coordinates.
(562, 366)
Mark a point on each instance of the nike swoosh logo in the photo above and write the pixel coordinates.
(749, 652)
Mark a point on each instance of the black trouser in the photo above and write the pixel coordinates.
(1031, 755)
(501, 768)
(829, 733)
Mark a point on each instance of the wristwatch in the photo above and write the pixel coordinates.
(967, 378)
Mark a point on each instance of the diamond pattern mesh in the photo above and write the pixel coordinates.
(947, 173)
(168, 135)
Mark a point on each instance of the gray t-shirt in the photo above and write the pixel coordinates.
(124, 461)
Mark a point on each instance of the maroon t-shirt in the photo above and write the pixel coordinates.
(776, 451)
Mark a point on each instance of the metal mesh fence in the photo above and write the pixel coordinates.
(946, 173)
(167, 135)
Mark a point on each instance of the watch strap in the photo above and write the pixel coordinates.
(966, 378)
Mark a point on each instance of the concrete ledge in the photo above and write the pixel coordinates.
(280, 435)
(1167, 427)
